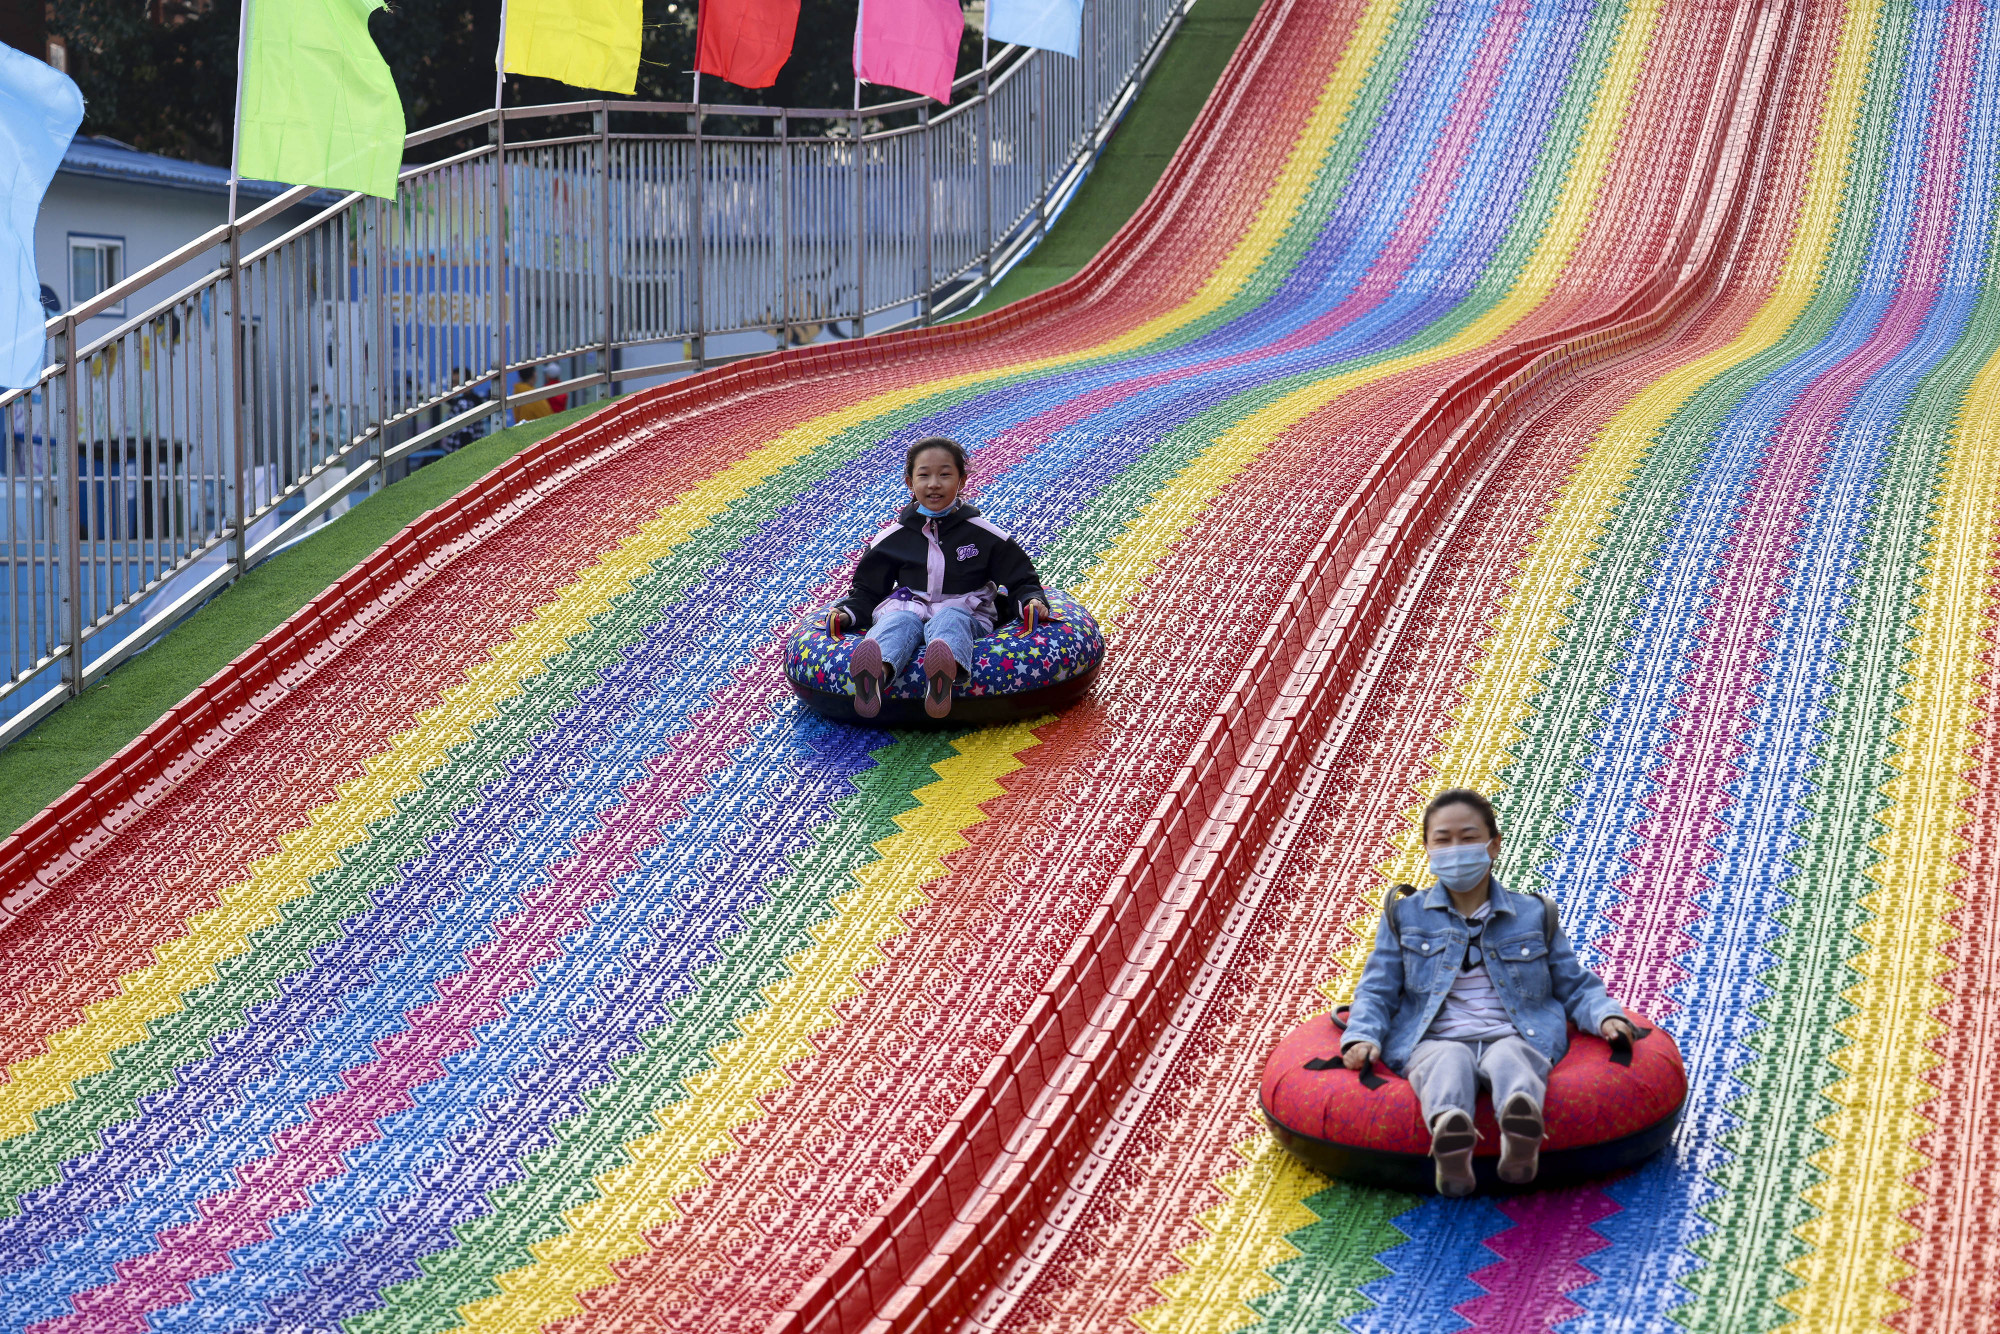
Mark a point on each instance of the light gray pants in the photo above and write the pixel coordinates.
(1447, 1074)
(902, 633)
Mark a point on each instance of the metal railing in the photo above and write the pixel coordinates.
(151, 464)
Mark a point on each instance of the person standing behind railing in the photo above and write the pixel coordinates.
(464, 401)
(524, 383)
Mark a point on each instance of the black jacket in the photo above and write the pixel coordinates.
(975, 553)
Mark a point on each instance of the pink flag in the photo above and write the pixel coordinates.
(909, 44)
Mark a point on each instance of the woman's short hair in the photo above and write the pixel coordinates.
(1462, 796)
(944, 442)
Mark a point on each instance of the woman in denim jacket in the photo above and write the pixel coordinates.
(1468, 987)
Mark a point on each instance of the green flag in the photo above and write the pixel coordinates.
(319, 107)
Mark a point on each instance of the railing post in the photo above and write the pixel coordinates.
(924, 115)
(785, 229)
(860, 229)
(700, 243)
(1087, 77)
(701, 239)
(1038, 122)
(603, 127)
(380, 361)
(501, 315)
(71, 506)
(239, 456)
(985, 172)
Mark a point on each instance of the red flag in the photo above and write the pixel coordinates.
(745, 41)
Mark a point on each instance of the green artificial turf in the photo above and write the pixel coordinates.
(93, 727)
(1138, 152)
(90, 729)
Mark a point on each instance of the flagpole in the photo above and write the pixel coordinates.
(238, 509)
(860, 225)
(986, 164)
(500, 312)
(236, 130)
(698, 233)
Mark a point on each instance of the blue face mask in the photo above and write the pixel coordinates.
(1462, 865)
(930, 513)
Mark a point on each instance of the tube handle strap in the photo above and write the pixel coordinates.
(1621, 1047)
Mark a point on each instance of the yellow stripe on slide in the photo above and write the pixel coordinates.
(1859, 1227)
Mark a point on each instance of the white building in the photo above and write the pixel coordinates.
(112, 210)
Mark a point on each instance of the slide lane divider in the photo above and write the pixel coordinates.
(957, 1222)
(1190, 1018)
(1486, 742)
(1499, 732)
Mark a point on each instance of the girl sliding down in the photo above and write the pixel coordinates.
(939, 577)
(1469, 987)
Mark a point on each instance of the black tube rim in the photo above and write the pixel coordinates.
(1416, 1174)
(966, 710)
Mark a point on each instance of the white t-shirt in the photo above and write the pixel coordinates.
(1473, 1011)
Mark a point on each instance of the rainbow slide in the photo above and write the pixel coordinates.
(1594, 401)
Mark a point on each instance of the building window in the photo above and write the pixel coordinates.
(95, 263)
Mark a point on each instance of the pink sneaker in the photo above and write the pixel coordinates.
(865, 667)
(942, 670)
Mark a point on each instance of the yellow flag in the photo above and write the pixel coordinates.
(587, 43)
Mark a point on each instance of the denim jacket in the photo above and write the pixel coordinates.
(1538, 980)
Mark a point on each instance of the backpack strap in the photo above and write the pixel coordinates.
(1389, 909)
(1550, 922)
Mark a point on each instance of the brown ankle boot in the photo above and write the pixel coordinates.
(1520, 1140)
(1452, 1138)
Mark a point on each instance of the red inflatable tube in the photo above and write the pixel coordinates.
(1609, 1106)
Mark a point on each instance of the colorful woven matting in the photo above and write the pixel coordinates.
(529, 958)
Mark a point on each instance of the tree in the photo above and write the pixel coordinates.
(161, 77)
